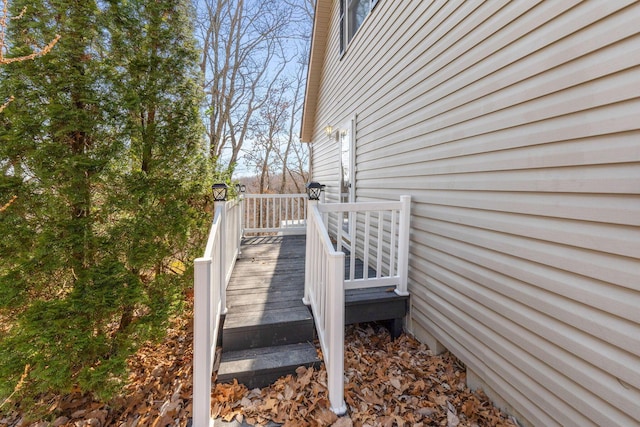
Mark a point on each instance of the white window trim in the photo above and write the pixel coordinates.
(344, 18)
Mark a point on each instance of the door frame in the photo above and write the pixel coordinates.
(348, 130)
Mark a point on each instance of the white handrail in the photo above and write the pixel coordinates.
(380, 237)
(275, 213)
(211, 277)
(324, 270)
(381, 230)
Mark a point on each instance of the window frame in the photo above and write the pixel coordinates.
(345, 17)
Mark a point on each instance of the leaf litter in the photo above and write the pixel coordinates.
(388, 383)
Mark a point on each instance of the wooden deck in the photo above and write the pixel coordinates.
(268, 331)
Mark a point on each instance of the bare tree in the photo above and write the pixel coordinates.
(295, 155)
(269, 135)
(244, 56)
(303, 11)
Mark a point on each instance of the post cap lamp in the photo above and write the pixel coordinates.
(314, 189)
(219, 192)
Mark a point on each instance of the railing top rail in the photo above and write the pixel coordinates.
(324, 234)
(230, 204)
(215, 225)
(359, 206)
(274, 196)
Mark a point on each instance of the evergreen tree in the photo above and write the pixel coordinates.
(157, 81)
(101, 149)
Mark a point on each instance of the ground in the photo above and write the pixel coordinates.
(390, 383)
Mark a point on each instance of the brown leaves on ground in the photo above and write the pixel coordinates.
(157, 394)
(389, 383)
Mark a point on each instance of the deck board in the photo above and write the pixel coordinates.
(264, 295)
(268, 283)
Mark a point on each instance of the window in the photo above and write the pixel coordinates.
(352, 15)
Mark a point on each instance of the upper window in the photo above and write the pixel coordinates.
(352, 14)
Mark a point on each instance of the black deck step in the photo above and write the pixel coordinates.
(379, 304)
(374, 304)
(272, 325)
(261, 367)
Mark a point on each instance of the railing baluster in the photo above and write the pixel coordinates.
(339, 235)
(255, 214)
(366, 247)
(379, 248)
(275, 213)
(353, 231)
(392, 246)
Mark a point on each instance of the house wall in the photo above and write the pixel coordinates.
(515, 127)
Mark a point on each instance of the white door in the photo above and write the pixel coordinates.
(346, 142)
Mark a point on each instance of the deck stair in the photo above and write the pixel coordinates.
(268, 332)
(379, 304)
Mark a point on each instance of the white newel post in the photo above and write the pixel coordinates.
(335, 299)
(221, 254)
(403, 245)
(307, 256)
(202, 313)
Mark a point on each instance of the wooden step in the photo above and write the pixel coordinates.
(261, 367)
(269, 324)
(373, 304)
(379, 304)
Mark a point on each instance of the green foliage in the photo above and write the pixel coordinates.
(102, 150)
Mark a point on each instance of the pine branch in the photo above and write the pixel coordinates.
(3, 29)
(10, 202)
(3, 106)
(18, 386)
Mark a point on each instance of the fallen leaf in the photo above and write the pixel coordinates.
(343, 422)
(395, 382)
(452, 419)
(441, 400)
(387, 382)
(426, 412)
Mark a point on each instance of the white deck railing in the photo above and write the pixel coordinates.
(324, 278)
(211, 276)
(379, 233)
(275, 213)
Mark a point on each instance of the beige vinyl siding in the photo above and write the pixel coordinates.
(515, 127)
